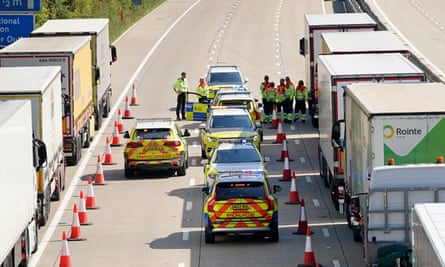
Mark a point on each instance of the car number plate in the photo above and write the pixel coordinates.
(240, 206)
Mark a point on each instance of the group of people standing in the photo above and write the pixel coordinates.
(181, 89)
(282, 97)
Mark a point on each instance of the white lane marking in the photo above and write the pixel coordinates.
(336, 263)
(194, 161)
(325, 232)
(316, 202)
(84, 161)
(185, 236)
(192, 182)
(188, 205)
(297, 142)
(308, 179)
(181, 264)
(302, 160)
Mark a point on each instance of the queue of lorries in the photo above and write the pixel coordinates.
(381, 128)
(55, 89)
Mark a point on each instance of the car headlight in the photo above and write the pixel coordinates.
(255, 138)
(211, 139)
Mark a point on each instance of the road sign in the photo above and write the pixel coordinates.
(13, 27)
(20, 5)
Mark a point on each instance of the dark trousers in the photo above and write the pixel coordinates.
(267, 106)
(288, 106)
(180, 105)
(300, 106)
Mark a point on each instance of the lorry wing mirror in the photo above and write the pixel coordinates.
(338, 133)
(97, 74)
(113, 54)
(302, 47)
(40, 155)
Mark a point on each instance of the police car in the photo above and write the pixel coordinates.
(241, 203)
(227, 124)
(224, 76)
(230, 157)
(156, 144)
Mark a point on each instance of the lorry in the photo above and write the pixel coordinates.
(428, 234)
(103, 55)
(73, 55)
(394, 142)
(42, 87)
(362, 42)
(334, 73)
(311, 45)
(21, 156)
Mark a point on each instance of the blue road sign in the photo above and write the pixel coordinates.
(13, 27)
(20, 5)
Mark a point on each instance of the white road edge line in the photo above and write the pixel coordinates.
(76, 178)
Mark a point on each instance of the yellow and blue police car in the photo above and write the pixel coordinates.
(156, 144)
(241, 203)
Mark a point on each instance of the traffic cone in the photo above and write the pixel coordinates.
(286, 171)
(108, 158)
(91, 199)
(281, 136)
(99, 178)
(83, 216)
(115, 139)
(75, 234)
(309, 256)
(127, 111)
(133, 100)
(294, 197)
(65, 258)
(302, 224)
(284, 152)
(274, 124)
(120, 123)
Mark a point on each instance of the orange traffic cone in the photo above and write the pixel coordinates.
(120, 123)
(65, 258)
(127, 111)
(309, 257)
(281, 136)
(91, 199)
(302, 223)
(99, 178)
(286, 171)
(115, 139)
(274, 124)
(133, 100)
(284, 152)
(294, 197)
(108, 158)
(83, 216)
(75, 234)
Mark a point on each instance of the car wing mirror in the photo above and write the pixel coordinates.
(276, 188)
(126, 134)
(186, 132)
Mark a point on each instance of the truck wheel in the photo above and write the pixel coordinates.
(209, 237)
(314, 123)
(58, 190)
(357, 235)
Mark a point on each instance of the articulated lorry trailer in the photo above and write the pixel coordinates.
(335, 72)
(73, 55)
(103, 55)
(311, 45)
(394, 150)
(21, 156)
(42, 86)
(428, 239)
(362, 42)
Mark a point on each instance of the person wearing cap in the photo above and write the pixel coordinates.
(181, 88)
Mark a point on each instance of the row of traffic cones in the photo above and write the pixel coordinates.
(80, 215)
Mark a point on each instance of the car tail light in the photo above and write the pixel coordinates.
(133, 145)
(210, 205)
(257, 115)
(271, 203)
(172, 143)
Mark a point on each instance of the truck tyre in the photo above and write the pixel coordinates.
(209, 237)
(357, 235)
(58, 190)
(314, 123)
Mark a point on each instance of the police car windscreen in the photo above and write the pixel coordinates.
(228, 121)
(237, 156)
(254, 190)
(147, 134)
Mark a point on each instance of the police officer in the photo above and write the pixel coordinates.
(289, 92)
(181, 88)
(280, 98)
(269, 96)
(301, 98)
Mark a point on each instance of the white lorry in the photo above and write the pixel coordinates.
(334, 73)
(103, 55)
(428, 239)
(394, 137)
(362, 42)
(43, 87)
(20, 159)
(311, 45)
(73, 56)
